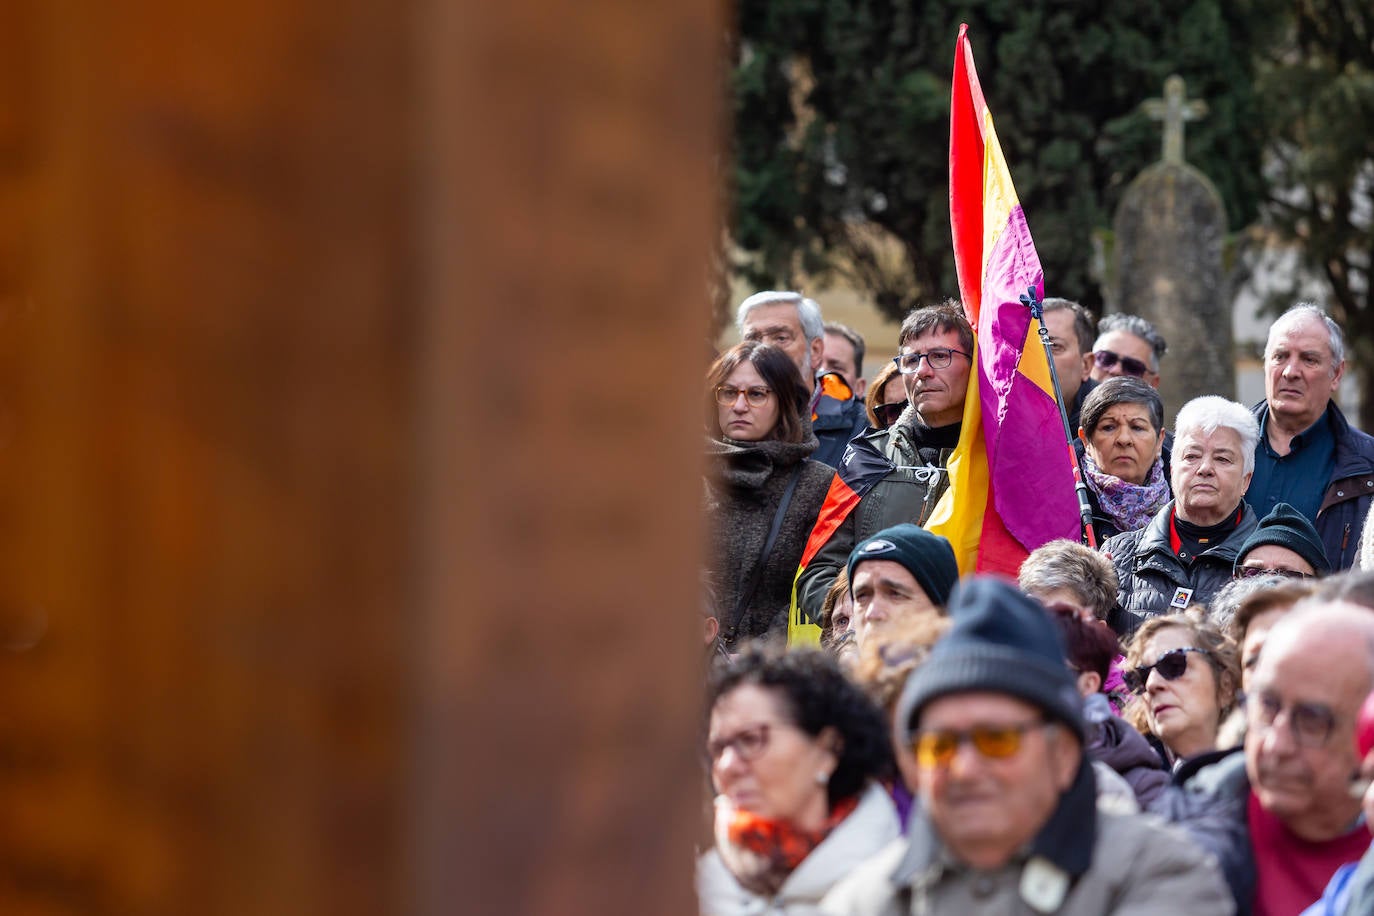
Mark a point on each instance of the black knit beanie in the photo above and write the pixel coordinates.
(1001, 641)
(1287, 527)
(926, 556)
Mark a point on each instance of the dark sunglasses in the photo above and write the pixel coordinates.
(1171, 666)
(887, 414)
(1250, 572)
(1106, 359)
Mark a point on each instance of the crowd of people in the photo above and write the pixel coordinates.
(1178, 720)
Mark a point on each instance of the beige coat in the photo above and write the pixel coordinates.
(1140, 867)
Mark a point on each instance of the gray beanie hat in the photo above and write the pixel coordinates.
(1001, 641)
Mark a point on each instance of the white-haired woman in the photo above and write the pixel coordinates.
(1185, 554)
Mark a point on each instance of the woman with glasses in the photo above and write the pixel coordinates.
(762, 491)
(797, 755)
(1187, 551)
(886, 397)
(1121, 452)
(1185, 674)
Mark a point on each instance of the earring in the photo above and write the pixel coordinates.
(822, 777)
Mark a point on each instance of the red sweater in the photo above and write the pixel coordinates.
(1291, 872)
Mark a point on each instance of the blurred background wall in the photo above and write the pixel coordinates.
(348, 521)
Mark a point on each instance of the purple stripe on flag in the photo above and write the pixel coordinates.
(1028, 462)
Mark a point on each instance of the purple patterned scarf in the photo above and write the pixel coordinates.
(1128, 505)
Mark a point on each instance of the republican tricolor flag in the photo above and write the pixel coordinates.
(1011, 482)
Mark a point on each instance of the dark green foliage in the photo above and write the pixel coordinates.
(1319, 110)
(1064, 82)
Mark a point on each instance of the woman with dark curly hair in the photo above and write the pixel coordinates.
(762, 491)
(797, 753)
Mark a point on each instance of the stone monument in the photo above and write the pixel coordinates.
(1169, 230)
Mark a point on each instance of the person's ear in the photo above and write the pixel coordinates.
(712, 629)
(1065, 755)
(831, 743)
(1089, 683)
(817, 353)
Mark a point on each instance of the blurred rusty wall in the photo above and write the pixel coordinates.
(308, 602)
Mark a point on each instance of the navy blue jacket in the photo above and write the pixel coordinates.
(1341, 517)
(835, 423)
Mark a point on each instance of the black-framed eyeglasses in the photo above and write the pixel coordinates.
(1310, 724)
(1171, 666)
(726, 395)
(1250, 572)
(1106, 359)
(937, 357)
(888, 414)
(748, 743)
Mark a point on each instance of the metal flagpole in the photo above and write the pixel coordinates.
(1085, 509)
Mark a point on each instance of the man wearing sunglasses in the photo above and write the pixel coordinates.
(990, 729)
(1308, 454)
(935, 353)
(1284, 816)
(1127, 345)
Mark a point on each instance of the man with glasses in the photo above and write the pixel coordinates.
(935, 352)
(1308, 454)
(1127, 345)
(792, 323)
(1285, 544)
(1285, 815)
(991, 732)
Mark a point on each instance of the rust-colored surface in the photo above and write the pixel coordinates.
(308, 604)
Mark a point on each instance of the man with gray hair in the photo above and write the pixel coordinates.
(1282, 817)
(793, 324)
(1127, 345)
(1308, 454)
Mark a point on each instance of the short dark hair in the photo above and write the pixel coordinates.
(947, 316)
(816, 695)
(1082, 321)
(778, 372)
(856, 340)
(1088, 645)
(1121, 389)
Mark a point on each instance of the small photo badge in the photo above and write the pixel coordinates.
(1181, 598)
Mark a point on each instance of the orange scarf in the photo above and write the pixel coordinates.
(761, 852)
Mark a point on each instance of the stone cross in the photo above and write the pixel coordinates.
(1174, 111)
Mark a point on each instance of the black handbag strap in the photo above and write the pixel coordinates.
(747, 594)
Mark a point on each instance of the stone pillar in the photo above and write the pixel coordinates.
(1169, 231)
(349, 354)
